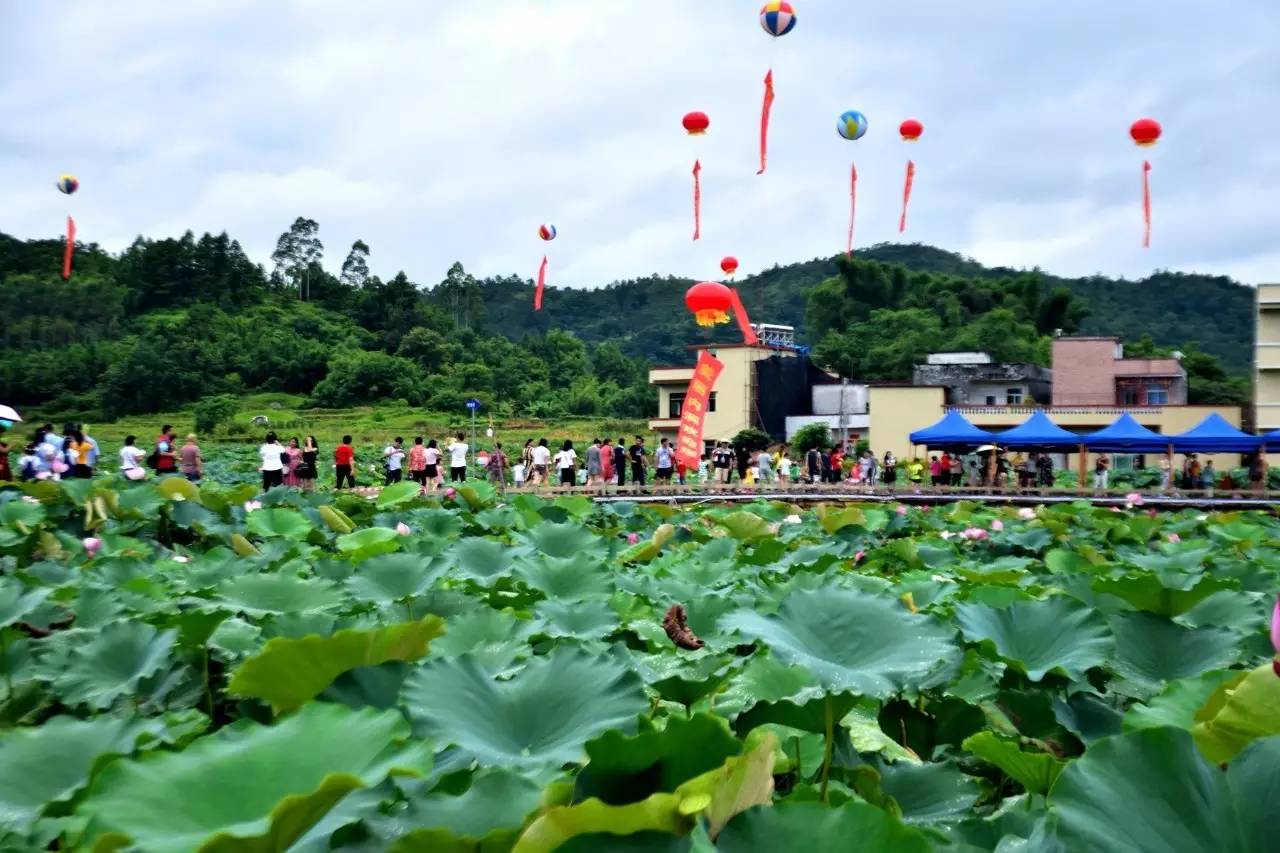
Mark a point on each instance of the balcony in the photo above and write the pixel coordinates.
(670, 375)
(1267, 356)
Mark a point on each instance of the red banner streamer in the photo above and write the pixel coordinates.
(542, 283)
(853, 206)
(697, 199)
(906, 195)
(1146, 205)
(764, 121)
(694, 410)
(69, 252)
(744, 322)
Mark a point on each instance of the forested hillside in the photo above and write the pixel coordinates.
(169, 321)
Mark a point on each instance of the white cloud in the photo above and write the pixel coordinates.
(449, 133)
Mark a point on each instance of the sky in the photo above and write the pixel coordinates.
(448, 132)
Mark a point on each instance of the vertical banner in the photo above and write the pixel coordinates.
(749, 336)
(694, 410)
(542, 283)
(1146, 204)
(697, 199)
(765, 109)
(69, 251)
(853, 207)
(906, 195)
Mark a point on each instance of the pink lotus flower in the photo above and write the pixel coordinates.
(402, 528)
(1275, 636)
(857, 558)
(1151, 513)
(179, 558)
(902, 509)
(997, 525)
(633, 538)
(974, 534)
(450, 493)
(1026, 513)
(250, 506)
(92, 545)
(1175, 538)
(1133, 499)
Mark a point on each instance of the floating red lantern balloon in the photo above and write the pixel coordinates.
(1145, 132)
(911, 130)
(729, 266)
(696, 123)
(709, 302)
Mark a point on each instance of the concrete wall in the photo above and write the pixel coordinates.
(971, 384)
(1266, 382)
(859, 424)
(1084, 372)
(826, 399)
(896, 412)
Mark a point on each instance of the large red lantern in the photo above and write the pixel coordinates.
(729, 266)
(911, 130)
(1145, 132)
(696, 123)
(709, 302)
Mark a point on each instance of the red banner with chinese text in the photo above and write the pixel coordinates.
(694, 411)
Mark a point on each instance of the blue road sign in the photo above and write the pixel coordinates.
(473, 404)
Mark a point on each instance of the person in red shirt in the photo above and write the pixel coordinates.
(343, 458)
(166, 454)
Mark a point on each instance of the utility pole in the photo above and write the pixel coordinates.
(844, 429)
(473, 405)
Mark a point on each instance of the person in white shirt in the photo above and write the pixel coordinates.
(541, 462)
(566, 464)
(394, 456)
(431, 473)
(517, 474)
(131, 457)
(272, 467)
(458, 459)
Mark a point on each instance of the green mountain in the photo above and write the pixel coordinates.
(170, 321)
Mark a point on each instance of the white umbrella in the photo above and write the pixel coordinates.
(8, 414)
(986, 448)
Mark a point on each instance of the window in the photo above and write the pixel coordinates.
(1013, 396)
(991, 399)
(675, 405)
(1157, 396)
(711, 402)
(1128, 396)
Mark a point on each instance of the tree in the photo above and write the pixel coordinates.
(810, 436)
(751, 439)
(427, 347)
(459, 294)
(212, 412)
(297, 250)
(355, 269)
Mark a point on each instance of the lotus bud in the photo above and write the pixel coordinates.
(250, 506)
(403, 529)
(902, 509)
(633, 538)
(1133, 499)
(1026, 513)
(1275, 626)
(857, 558)
(792, 519)
(92, 545)
(1175, 538)
(450, 493)
(997, 525)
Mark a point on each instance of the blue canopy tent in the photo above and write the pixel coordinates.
(1039, 431)
(1215, 435)
(954, 430)
(1126, 436)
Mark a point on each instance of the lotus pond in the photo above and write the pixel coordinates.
(213, 669)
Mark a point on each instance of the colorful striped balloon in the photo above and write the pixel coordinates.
(68, 184)
(778, 18)
(852, 125)
(547, 232)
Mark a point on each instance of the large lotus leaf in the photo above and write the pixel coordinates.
(397, 494)
(683, 678)
(1229, 609)
(1238, 712)
(277, 521)
(1152, 650)
(482, 560)
(288, 673)
(1146, 592)
(1178, 703)
(1176, 569)
(571, 578)
(1058, 633)
(718, 795)
(746, 526)
(440, 523)
(851, 640)
(258, 595)
(625, 769)
(395, 577)
(486, 815)
(1148, 791)
(1087, 716)
(582, 620)
(1035, 771)
(16, 601)
(494, 638)
(248, 787)
(369, 542)
(929, 792)
(235, 638)
(564, 540)
(50, 763)
(1255, 783)
(112, 664)
(854, 827)
(22, 515)
(538, 719)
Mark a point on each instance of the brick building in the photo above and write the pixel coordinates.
(1092, 371)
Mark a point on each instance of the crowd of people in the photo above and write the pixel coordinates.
(295, 463)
